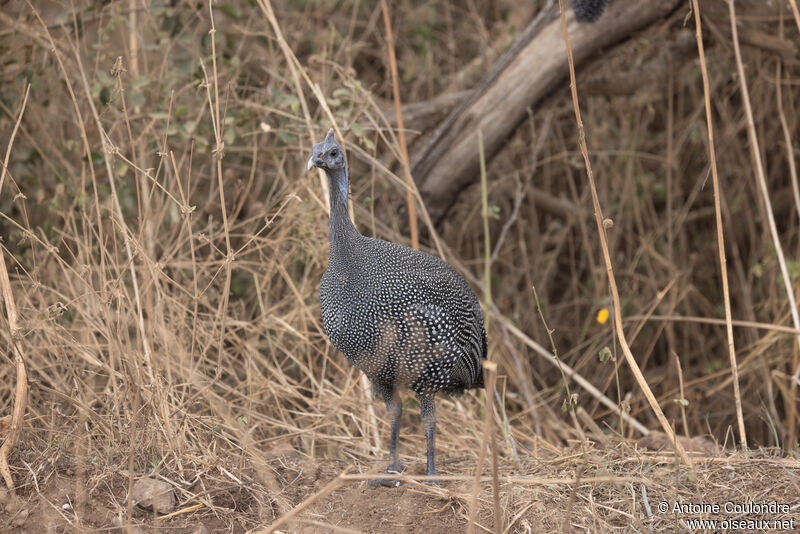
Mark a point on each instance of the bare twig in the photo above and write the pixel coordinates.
(13, 136)
(720, 238)
(401, 133)
(219, 151)
(490, 375)
(21, 390)
(795, 12)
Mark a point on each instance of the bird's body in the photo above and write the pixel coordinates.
(404, 317)
(416, 324)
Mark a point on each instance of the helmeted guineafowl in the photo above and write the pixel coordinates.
(588, 10)
(402, 316)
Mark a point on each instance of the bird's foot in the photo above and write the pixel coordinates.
(394, 469)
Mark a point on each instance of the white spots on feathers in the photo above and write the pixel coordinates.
(404, 317)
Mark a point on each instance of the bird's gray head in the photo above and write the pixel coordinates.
(327, 154)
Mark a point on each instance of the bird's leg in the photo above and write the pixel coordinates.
(395, 409)
(427, 408)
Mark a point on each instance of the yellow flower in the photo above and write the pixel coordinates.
(602, 315)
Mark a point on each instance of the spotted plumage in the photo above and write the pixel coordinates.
(402, 316)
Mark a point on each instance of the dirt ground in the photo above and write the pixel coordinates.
(58, 502)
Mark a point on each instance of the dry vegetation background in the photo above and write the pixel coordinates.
(164, 246)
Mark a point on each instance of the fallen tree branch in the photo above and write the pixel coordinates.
(527, 73)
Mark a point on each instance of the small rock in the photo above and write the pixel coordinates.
(12, 506)
(153, 494)
(20, 519)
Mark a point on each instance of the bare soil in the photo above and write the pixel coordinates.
(560, 503)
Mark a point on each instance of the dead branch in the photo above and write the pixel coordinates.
(528, 72)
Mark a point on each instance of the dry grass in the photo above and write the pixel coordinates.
(164, 248)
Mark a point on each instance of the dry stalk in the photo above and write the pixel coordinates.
(723, 264)
(575, 485)
(682, 398)
(598, 213)
(528, 481)
(133, 385)
(13, 136)
(490, 375)
(498, 512)
(792, 405)
(787, 137)
(219, 151)
(795, 12)
(401, 133)
(755, 153)
(487, 246)
(21, 389)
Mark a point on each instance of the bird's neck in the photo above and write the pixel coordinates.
(343, 233)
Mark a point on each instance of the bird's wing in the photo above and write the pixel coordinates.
(451, 314)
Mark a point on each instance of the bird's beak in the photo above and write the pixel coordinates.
(310, 163)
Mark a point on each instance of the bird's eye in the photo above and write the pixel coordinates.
(334, 153)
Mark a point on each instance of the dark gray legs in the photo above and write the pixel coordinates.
(393, 405)
(427, 410)
(395, 409)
